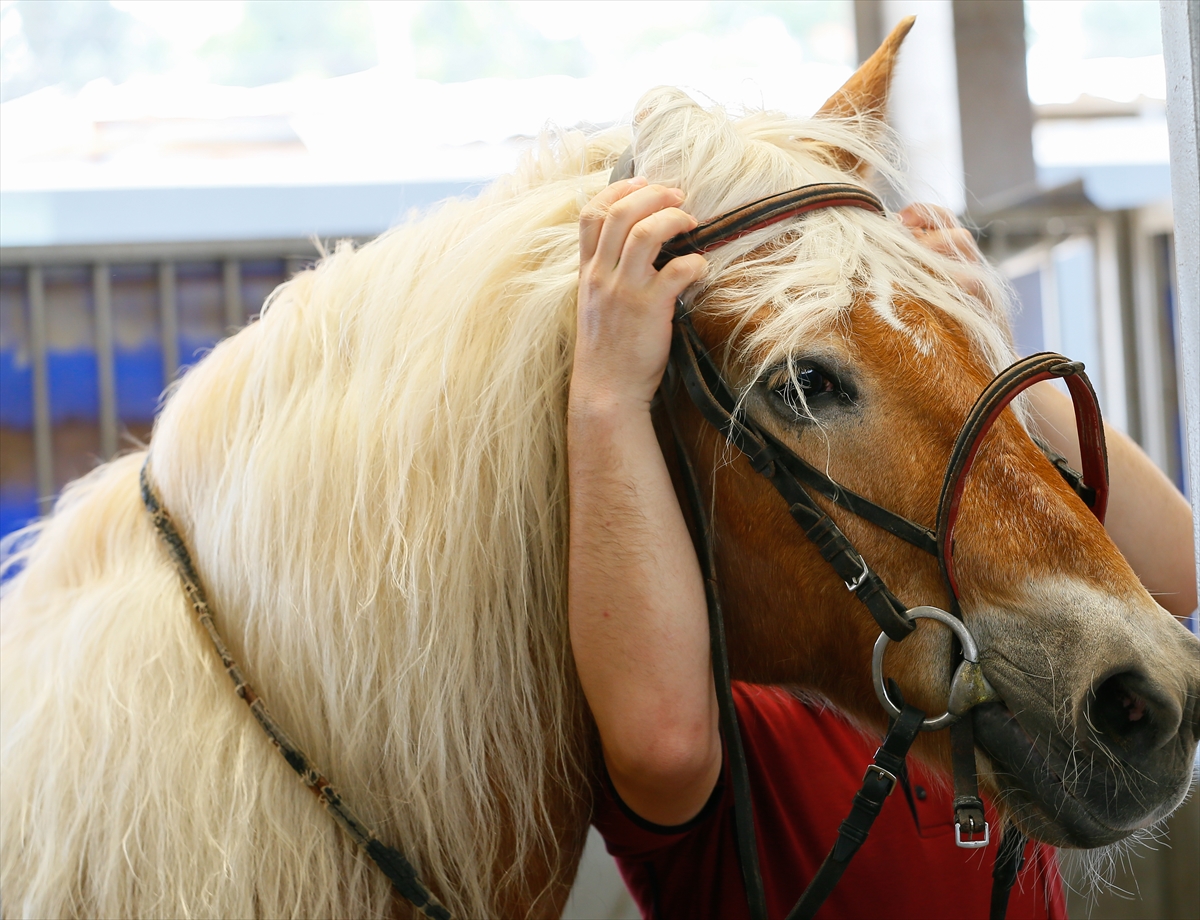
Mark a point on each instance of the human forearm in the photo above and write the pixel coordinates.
(637, 614)
(1148, 519)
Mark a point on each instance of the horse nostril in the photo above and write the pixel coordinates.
(1132, 716)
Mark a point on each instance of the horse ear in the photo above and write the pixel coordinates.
(866, 92)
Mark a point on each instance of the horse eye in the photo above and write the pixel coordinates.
(810, 382)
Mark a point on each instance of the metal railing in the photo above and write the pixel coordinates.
(34, 262)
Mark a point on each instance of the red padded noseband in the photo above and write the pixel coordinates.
(992, 401)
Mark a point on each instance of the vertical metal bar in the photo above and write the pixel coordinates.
(168, 321)
(235, 313)
(1148, 310)
(105, 373)
(43, 457)
(1109, 282)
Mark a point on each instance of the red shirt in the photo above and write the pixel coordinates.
(805, 767)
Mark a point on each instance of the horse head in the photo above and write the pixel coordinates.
(863, 355)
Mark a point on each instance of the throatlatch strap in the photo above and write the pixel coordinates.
(878, 783)
(743, 804)
(1070, 475)
(1009, 860)
(392, 862)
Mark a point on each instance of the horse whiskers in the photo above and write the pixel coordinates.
(1090, 873)
(1122, 767)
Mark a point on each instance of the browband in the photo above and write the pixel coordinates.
(764, 212)
(755, 215)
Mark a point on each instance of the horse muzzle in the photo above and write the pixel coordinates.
(1126, 763)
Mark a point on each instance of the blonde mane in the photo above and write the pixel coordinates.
(372, 481)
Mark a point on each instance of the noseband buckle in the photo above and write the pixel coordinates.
(971, 844)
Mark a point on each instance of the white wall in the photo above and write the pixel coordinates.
(924, 101)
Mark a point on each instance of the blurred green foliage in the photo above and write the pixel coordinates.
(455, 40)
(1121, 28)
(71, 43)
(277, 41)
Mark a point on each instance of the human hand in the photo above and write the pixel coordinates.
(939, 230)
(625, 304)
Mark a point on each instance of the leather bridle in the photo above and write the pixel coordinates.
(692, 366)
(792, 477)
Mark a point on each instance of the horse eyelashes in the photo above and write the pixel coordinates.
(798, 389)
(812, 382)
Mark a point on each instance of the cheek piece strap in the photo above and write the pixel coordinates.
(692, 366)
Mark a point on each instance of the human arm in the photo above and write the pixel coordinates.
(636, 597)
(1148, 518)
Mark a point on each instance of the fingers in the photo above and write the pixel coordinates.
(939, 230)
(591, 219)
(927, 217)
(677, 274)
(625, 214)
(955, 244)
(646, 239)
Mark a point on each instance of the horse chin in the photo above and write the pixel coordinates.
(1031, 788)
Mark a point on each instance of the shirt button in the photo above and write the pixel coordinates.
(921, 793)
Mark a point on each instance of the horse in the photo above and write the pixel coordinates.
(371, 482)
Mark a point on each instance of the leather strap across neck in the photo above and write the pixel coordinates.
(391, 861)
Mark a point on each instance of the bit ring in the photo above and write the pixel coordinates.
(970, 654)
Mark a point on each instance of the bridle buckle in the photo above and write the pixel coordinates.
(970, 844)
(860, 578)
(887, 775)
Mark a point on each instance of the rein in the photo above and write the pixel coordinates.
(691, 364)
(392, 862)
